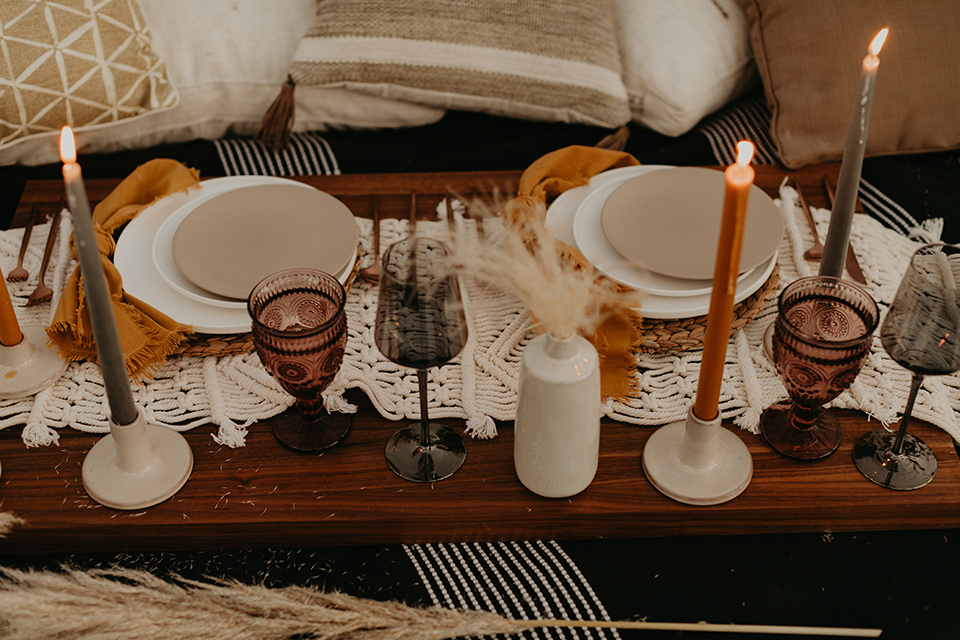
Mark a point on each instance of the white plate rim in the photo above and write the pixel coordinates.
(142, 280)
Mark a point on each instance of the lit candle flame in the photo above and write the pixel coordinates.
(878, 41)
(68, 148)
(744, 153)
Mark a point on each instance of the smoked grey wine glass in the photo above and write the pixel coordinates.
(420, 324)
(822, 334)
(300, 332)
(920, 333)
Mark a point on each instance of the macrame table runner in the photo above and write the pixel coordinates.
(234, 391)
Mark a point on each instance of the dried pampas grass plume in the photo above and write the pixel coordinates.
(119, 604)
(553, 281)
(124, 603)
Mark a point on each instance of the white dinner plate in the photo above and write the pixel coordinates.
(134, 259)
(560, 216)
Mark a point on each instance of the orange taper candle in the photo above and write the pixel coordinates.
(739, 179)
(9, 327)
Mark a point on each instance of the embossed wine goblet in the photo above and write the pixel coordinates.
(300, 332)
(822, 334)
(921, 332)
(420, 324)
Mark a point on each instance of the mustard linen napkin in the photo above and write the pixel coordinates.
(618, 337)
(146, 335)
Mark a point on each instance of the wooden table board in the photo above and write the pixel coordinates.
(263, 495)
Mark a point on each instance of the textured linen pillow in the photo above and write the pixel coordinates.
(228, 60)
(809, 55)
(538, 60)
(682, 60)
(78, 63)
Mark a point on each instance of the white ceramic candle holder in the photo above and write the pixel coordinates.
(697, 461)
(30, 365)
(137, 465)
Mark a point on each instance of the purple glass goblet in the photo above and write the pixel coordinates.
(821, 337)
(300, 332)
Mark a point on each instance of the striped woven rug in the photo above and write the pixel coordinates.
(308, 154)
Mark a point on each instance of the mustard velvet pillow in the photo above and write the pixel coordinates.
(552, 60)
(809, 56)
(75, 62)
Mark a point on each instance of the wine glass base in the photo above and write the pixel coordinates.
(293, 432)
(819, 441)
(913, 468)
(440, 459)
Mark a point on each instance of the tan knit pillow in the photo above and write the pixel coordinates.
(539, 60)
(75, 62)
(809, 55)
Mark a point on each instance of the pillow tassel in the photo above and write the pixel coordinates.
(616, 141)
(277, 123)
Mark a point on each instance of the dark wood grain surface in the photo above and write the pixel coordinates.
(263, 495)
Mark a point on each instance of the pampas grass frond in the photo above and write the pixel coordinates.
(119, 604)
(558, 288)
(125, 603)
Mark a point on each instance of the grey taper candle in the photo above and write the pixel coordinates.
(848, 184)
(123, 410)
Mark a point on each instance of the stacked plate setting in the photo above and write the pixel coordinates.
(195, 256)
(655, 228)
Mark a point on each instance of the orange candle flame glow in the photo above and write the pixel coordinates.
(878, 41)
(68, 147)
(744, 153)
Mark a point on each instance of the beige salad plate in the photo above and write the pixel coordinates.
(230, 242)
(668, 222)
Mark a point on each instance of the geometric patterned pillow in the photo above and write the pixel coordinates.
(76, 62)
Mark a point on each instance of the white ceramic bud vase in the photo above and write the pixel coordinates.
(557, 431)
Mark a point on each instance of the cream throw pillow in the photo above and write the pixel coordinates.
(76, 62)
(538, 60)
(683, 60)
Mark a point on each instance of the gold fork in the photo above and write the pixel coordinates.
(43, 293)
(19, 273)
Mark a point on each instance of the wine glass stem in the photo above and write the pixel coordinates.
(424, 419)
(908, 410)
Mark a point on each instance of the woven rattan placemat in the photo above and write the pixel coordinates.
(661, 336)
